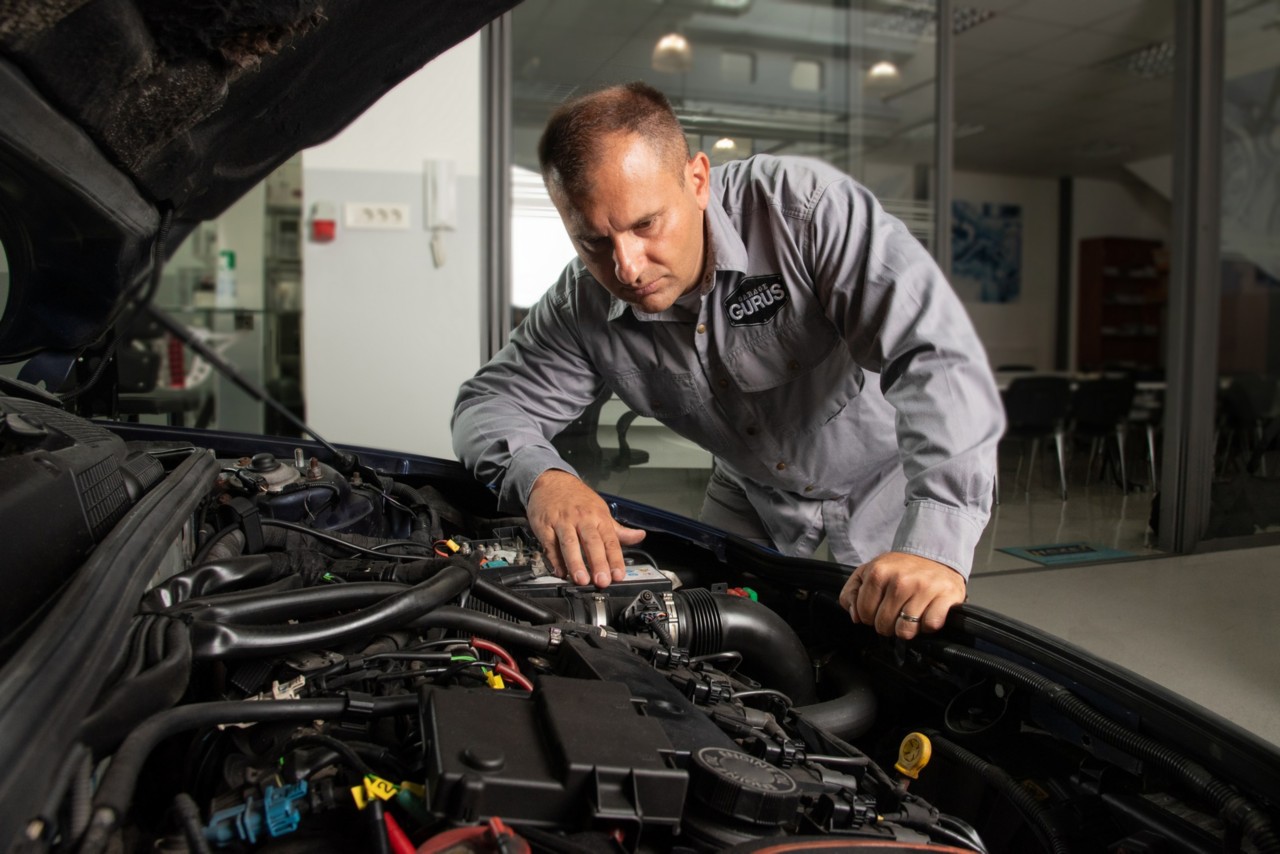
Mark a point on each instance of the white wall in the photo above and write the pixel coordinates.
(1020, 332)
(387, 335)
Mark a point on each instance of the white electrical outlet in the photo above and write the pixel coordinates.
(382, 216)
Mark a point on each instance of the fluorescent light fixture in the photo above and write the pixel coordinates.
(724, 143)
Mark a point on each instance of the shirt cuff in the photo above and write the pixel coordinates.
(530, 462)
(939, 533)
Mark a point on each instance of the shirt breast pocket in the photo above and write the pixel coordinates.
(795, 381)
(773, 357)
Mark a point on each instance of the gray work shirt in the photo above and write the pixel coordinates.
(827, 365)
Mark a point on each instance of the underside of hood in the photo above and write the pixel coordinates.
(190, 104)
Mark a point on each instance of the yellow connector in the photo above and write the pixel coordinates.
(914, 754)
(494, 679)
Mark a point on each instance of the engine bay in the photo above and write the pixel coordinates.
(328, 657)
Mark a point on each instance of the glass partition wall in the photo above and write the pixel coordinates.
(1245, 498)
(851, 83)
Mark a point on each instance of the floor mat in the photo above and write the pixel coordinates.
(1063, 553)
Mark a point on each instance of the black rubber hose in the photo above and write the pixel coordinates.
(215, 538)
(516, 604)
(852, 711)
(192, 824)
(153, 690)
(771, 651)
(224, 576)
(1036, 816)
(116, 792)
(275, 606)
(288, 536)
(425, 524)
(219, 640)
(1234, 809)
(502, 632)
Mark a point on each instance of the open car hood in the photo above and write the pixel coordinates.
(117, 110)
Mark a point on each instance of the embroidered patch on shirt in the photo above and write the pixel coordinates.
(757, 300)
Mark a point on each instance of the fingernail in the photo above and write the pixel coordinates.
(853, 612)
(602, 579)
(581, 577)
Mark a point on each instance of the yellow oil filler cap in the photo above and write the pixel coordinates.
(914, 753)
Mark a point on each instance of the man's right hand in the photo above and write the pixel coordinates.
(573, 524)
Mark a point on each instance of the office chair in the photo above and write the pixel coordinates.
(1036, 408)
(1099, 409)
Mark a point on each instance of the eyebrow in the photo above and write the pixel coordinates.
(590, 238)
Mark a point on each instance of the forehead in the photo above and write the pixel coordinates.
(627, 178)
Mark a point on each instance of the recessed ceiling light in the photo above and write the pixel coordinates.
(724, 144)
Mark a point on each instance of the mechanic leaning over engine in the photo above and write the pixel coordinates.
(771, 311)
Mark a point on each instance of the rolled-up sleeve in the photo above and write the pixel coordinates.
(539, 382)
(901, 319)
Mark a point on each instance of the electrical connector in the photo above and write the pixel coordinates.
(274, 814)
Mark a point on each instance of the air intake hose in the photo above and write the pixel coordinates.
(771, 651)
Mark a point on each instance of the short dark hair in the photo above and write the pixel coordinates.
(571, 140)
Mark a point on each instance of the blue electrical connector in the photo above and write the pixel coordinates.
(276, 814)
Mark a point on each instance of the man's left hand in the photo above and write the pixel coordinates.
(889, 590)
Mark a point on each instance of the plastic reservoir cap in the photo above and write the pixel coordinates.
(914, 753)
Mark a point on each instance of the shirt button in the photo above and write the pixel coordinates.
(655, 404)
(722, 382)
(751, 431)
(793, 365)
(809, 488)
(702, 328)
(781, 466)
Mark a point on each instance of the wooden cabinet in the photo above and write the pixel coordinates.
(1123, 298)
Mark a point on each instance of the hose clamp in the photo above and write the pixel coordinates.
(673, 617)
(554, 638)
(598, 610)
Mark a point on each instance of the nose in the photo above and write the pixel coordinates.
(628, 258)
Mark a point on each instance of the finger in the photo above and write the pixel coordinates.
(596, 553)
(849, 594)
(628, 536)
(935, 616)
(547, 539)
(910, 617)
(571, 555)
(613, 554)
(875, 606)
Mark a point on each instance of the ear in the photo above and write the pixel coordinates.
(697, 176)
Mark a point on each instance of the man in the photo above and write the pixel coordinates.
(772, 312)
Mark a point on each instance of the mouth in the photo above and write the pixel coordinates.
(642, 291)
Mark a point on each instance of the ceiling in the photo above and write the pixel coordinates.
(1042, 87)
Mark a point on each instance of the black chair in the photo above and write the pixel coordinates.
(1100, 409)
(1036, 408)
(1244, 410)
(579, 445)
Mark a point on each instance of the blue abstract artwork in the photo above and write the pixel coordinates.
(986, 251)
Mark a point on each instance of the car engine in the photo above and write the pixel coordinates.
(331, 658)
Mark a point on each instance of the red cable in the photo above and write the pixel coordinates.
(399, 840)
(513, 675)
(490, 646)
